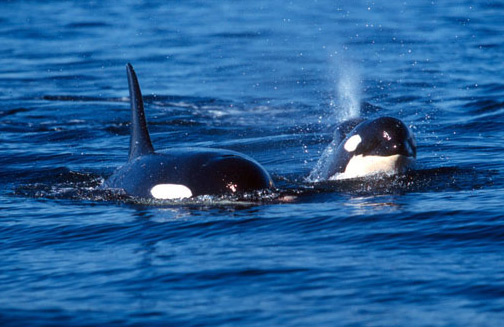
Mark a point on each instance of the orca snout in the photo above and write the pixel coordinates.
(402, 145)
(387, 136)
(409, 147)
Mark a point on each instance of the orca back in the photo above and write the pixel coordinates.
(180, 173)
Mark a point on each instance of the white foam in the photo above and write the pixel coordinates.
(171, 191)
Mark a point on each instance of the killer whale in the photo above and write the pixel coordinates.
(366, 147)
(180, 173)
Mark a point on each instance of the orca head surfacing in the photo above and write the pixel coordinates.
(383, 145)
(180, 173)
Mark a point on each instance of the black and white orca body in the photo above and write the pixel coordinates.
(383, 145)
(180, 173)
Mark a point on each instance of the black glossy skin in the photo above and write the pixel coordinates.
(202, 170)
(384, 136)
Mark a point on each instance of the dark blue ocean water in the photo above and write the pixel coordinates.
(269, 79)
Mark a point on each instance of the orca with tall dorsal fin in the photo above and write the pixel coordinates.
(180, 173)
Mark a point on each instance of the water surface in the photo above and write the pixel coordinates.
(268, 79)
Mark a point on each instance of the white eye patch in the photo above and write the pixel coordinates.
(170, 191)
(352, 143)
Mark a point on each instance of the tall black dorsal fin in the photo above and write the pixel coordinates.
(140, 143)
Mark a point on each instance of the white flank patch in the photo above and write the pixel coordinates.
(352, 143)
(360, 166)
(170, 191)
